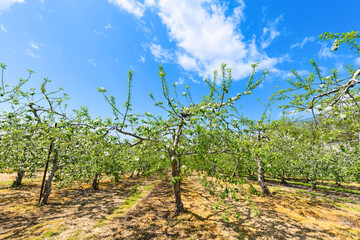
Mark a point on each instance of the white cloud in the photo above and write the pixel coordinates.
(304, 41)
(35, 45)
(92, 62)
(40, 16)
(194, 80)
(3, 29)
(180, 82)
(132, 6)
(270, 32)
(5, 4)
(160, 54)
(282, 74)
(207, 40)
(325, 52)
(100, 33)
(30, 53)
(150, 2)
(142, 59)
(107, 27)
(187, 62)
(207, 34)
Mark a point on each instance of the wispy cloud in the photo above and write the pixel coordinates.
(30, 53)
(270, 33)
(107, 27)
(100, 33)
(35, 45)
(34, 49)
(92, 62)
(180, 81)
(132, 6)
(6, 4)
(160, 54)
(3, 29)
(325, 52)
(304, 41)
(142, 59)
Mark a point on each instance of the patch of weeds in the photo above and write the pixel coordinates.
(307, 192)
(126, 205)
(76, 236)
(135, 188)
(347, 207)
(52, 233)
(322, 187)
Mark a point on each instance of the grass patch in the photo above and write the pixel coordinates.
(76, 236)
(319, 186)
(307, 192)
(126, 205)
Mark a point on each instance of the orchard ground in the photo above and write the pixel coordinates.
(142, 208)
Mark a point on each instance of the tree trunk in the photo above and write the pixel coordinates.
(47, 188)
(116, 178)
(236, 167)
(95, 183)
(313, 185)
(175, 171)
(261, 179)
(283, 178)
(18, 179)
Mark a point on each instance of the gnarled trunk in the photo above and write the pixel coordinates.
(236, 167)
(283, 178)
(95, 183)
(47, 188)
(261, 179)
(18, 179)
(175, 172)
(313, 185)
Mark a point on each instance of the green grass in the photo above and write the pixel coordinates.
(127, 204)
(76, 236)
(319, 186)
(52, 233)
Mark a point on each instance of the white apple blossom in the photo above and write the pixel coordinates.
(137, 159)
(335, 46)
(342, 116)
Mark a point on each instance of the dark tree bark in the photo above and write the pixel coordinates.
(175, 171)
(283, 178)
(261, 179)
(95, 183)
(18, 179)
(236, 167)
(47, 188)
(313, 185)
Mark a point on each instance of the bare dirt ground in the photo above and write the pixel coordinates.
(117, 211)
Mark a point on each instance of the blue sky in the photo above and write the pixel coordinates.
(81, 45)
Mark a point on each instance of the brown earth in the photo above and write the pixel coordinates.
(117, 211)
